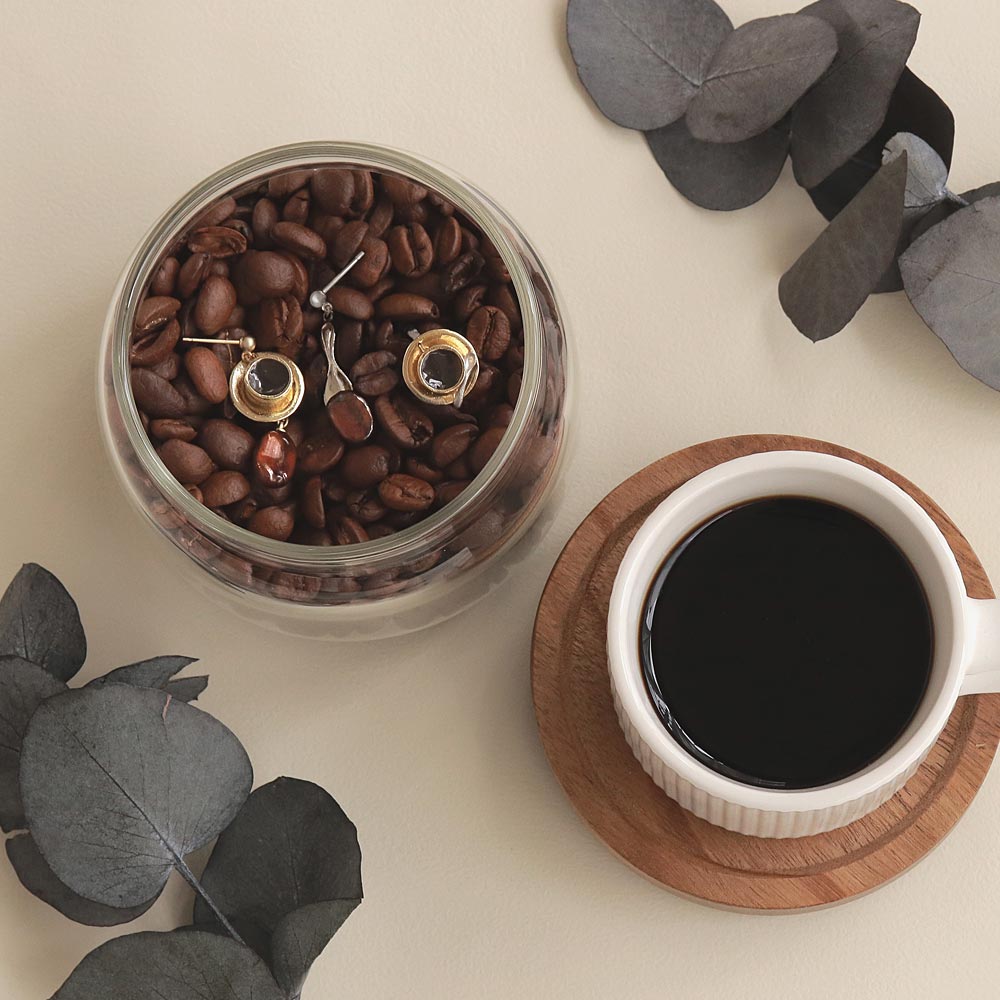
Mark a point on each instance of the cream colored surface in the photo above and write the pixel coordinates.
(480, 881)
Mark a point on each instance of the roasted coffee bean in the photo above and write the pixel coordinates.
(154, 312)
(333, 489)
(265, 217)
(151, 349)
(351, 416)
(395, 452)
(321, 452)
(348, 531)
(192, 273)
(301, 282)
(195, 491)
(263, 274)
(311, 504)
(299, 239)
(411, 250)
(467, 301)
(373, 266)
(462, 271)
(169, 429)
(275, 459)
(444, 493)
(470, 241)
(365, 467)
(445, 416)
(333, 189)
(214, 214)
(271, 496)
(488, 330)
(272, 522)
(328, 226)
(374, 374)
(347, 345)
(495, 266)
(459, 469)
(498, 416)
(169, 368)
(224, 488)
(219, 267)
(452, 443)
(296, 208)
(216, 301)
(382, 287)
(400, 519)
(401, 190)
(427, 286)
(503, 298)
(364, 191)
(419, 468)
(155, 396)
(404, 306)
(195, 403)
(514, 388)
(406, 425)
(484, 390)
(311, 536)
(482, 451)
(385, 338)
(380, 530)
(350, 302)
(207, 375)
(381, 217)
(278, 325)
(514, 359)
(447, 241)
(187, 462)
(217, 241)
(348, 242)
(365, 506)
(419, 212)
(405, 493)
(165, 279)
(241, 512)
(228, 444)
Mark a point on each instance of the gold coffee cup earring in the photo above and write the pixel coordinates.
(440, 367)
(265, 387)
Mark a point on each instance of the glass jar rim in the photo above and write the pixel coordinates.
(472, 202)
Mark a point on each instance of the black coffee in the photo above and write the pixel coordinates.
(786, 643)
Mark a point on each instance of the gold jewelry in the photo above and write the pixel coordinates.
(440, 367)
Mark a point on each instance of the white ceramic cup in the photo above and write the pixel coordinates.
(966, 655)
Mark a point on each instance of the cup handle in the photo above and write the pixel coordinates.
(982, 674)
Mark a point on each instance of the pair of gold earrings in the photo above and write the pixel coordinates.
(439, 367)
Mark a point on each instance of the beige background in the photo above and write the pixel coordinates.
(480, 880)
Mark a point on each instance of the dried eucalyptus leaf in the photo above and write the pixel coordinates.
(120, 783)
(758, 74)
(720, 176)
(849, 104)
(643, 60)
(40, 621)
(23, 687)
(954, 203)
(178, 965)
(914, 108)
(287, 874)
(829, 283)
(157, 673)
(927, 173)
(39, 879)
(952, 277)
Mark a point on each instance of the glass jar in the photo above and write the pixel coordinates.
(386, 586)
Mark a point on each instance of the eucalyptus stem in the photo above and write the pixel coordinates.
(192, 881)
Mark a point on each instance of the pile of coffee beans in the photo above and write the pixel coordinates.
(372, 461)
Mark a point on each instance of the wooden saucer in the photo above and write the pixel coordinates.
(635, 818)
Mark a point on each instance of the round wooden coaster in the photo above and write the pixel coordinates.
(635, 818)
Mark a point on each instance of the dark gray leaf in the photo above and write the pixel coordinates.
(829, 283)
(120, 783)
(157, 673)
(287, 873)
(23, 687)
(179, 965)
(849, 104)
(643, 60)
(716, 175)
(40, 621)
(38, 878)
(948, 208)
(952, 277)
(915, 108)
(759, 72)
(927, 173)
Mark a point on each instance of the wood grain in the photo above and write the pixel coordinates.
(635, 818)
